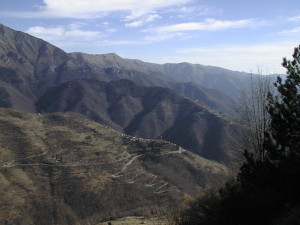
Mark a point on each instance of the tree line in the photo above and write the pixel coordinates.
(266, 190)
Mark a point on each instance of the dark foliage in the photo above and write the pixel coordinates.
(267, 189)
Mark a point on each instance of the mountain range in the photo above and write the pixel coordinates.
(38, 61)
(39, 77)
(82, 133)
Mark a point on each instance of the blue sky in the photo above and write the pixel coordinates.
(235, 34)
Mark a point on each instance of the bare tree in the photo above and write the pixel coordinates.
(253, 112)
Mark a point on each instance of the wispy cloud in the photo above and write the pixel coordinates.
(97, 8)
(194, 11)
(291, 31)
(144, 20)
(268, 48)
(58, 33)
(295, 18)
(189, 30)
(74, 37)
(118, 42)
(207, 25)
(163, 36)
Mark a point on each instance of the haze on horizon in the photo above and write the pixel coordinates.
(237, 35)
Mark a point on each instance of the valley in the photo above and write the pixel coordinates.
(92, 138)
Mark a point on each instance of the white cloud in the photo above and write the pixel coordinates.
(117, 42)
(59, 33)
(295, 18)
(75, 25)
(70, 38)
(145, 19)
(295, 30)
(292, 31)
(137, 23)
(240, 58)
(98, 8)
(135, 14)
(42, 31)
(195, 11)
(207, 25)
(111, 30)
(107, 26)
(163, 33)
(152, 17)
(163, 37)
(240, 49)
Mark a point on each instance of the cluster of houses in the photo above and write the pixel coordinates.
(151, 144)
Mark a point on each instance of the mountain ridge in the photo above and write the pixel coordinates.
(207, 76)
(37, 63)
(169, 72)
(36, 76)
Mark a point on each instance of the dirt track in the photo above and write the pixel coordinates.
(134, 221)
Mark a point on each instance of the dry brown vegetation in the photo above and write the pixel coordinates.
(64, 169)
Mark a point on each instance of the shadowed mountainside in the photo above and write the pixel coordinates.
(36, 63)
(207, 97)
(35, 76)
(64, 169)
(149, 112)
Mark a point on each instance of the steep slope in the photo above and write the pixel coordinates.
(211, 98)
(29, 56)
(64, 169)
(38, 64)
(148, 112)
(28, 66)
(15, 91)
(39, 61)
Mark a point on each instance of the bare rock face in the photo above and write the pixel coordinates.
(64, 169)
